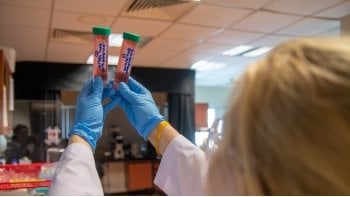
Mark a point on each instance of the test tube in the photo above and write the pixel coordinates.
(100, 66)
(126, 56)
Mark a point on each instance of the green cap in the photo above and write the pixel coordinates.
(131, 36)
(97, 30)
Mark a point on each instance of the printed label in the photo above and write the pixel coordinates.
(101, 56)
(128, 59)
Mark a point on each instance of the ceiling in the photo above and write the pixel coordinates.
(178, 35)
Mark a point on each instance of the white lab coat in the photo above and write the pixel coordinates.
(182, 171)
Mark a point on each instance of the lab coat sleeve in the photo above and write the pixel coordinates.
(76, 173)
(183, 168)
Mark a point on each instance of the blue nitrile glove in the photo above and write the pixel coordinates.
(89, 113)
(112, 94)
(137, 103)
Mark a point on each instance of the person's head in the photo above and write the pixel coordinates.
(20, 134)
(287, 128)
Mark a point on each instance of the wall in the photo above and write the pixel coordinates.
(216, 97)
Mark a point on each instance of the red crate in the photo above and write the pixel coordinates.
(22, 176)
(21, 185)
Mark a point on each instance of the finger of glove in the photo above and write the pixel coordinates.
(127, 93)
(111, 105)
(97, 87)
(87, 88)
(109, 91)
(137, 87)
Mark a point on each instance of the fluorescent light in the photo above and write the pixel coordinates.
(115, 40)
(257, 52)
(237, 50)
(112, 60)
(203, 65)
(199, 64)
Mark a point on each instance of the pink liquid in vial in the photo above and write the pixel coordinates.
(100, 65)
(126, 57)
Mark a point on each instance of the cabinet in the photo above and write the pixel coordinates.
(201, 115)
(6, 95)
(113, 180)
(139, 175)
(129, 176)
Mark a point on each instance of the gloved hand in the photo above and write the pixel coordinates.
(89, 113)
(137, 103)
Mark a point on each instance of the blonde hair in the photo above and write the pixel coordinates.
(287, 129)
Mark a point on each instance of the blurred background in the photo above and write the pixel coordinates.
(191, 54)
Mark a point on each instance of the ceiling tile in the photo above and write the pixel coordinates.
(142, 27)
(252, 4)
(31, 17)
(28, 42)
(62, 52)
(336, 11)
(218, 17)
(28, 3)
(310, 26)
(184, 60)
(210, 48)
(75, 21)
(334, 33)
(188, 32)
(301, 7)
(270, 40)
(235, 37)
(159, 50)
(101, 7)
(267, 22)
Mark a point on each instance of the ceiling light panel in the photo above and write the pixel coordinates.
(115, 40)
(257, 52)
(203, 65)
(237, 50)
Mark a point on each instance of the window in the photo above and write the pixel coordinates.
(202, 134)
